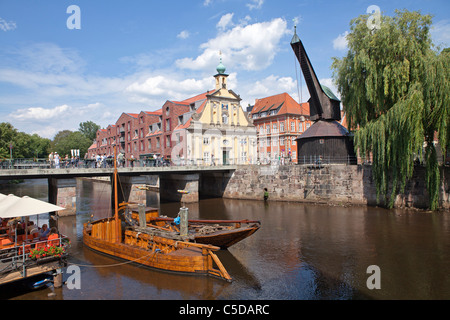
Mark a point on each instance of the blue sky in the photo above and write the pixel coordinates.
(132, 56)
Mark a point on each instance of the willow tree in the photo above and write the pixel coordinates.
(394, 86)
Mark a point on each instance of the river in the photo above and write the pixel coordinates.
(302, 251)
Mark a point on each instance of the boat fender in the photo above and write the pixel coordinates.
(177, 220)
(157, 250)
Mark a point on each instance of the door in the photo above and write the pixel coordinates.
(225, 157)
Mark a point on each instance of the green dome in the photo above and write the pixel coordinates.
(221, 68)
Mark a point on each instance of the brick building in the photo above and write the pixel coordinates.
(209, 128)
(279, 120)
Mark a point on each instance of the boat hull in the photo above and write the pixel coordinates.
(225, 239)
(160, 253)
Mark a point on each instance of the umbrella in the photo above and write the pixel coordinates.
(12, 206)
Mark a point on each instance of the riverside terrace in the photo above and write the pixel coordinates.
(207, 180)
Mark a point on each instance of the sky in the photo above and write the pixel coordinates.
(62, 65)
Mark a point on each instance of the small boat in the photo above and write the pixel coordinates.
(143, 245)
(220, 233)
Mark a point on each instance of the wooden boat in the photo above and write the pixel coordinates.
(143, 245)
(220, 233)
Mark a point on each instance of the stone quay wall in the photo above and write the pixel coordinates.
(328, 184)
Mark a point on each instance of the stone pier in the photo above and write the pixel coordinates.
(63, 193)
(169, 184)
(134, 188)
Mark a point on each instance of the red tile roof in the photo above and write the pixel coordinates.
(283, 101)
(201, 96)
(156, 113)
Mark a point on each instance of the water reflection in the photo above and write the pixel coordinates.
(300, 252)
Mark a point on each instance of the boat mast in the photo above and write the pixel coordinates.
(116, 201)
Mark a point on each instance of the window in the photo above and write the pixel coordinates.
(135, 133)
(282, 141)
(243, 157)
(150, 129)
(142, 133)
(275, 128)
(167, 111)
(224, 119)
(149, 144)
(268, 129)
(205, 140)
(158, 143)
(167, 124)
(293, 140)
(282, 126)
(135, 146)
(206, 157)
(307, 125)
(167, 141)
(180, 120)
(292, 126)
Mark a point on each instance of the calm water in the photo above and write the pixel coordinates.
(300, 252)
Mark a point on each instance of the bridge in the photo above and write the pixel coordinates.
(206, 180)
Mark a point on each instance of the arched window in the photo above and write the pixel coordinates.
(224, 119)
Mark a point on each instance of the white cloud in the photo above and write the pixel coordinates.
(207, 2)
(167, 87)
(440, 32)
(225, 21)
(255, 4)
(40, 113)
(7, 26)
(249, 47)
(340, 43)
(183, 34)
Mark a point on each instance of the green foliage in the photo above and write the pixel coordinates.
(67, 140)
(394, 88)
(24, 145)
(89, 129)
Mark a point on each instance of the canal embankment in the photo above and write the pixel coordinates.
(329, 184)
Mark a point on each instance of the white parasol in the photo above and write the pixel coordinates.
(12, 206)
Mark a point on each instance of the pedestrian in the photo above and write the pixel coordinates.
(50, 159)
(56, 159)
(266, 194)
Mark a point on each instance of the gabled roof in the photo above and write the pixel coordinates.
(188, 123)
(284, 102)
(154, 113)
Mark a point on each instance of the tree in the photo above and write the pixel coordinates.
(7, 133)
(24, 145)
(89, 129)
(394, 86)
(66, 140)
